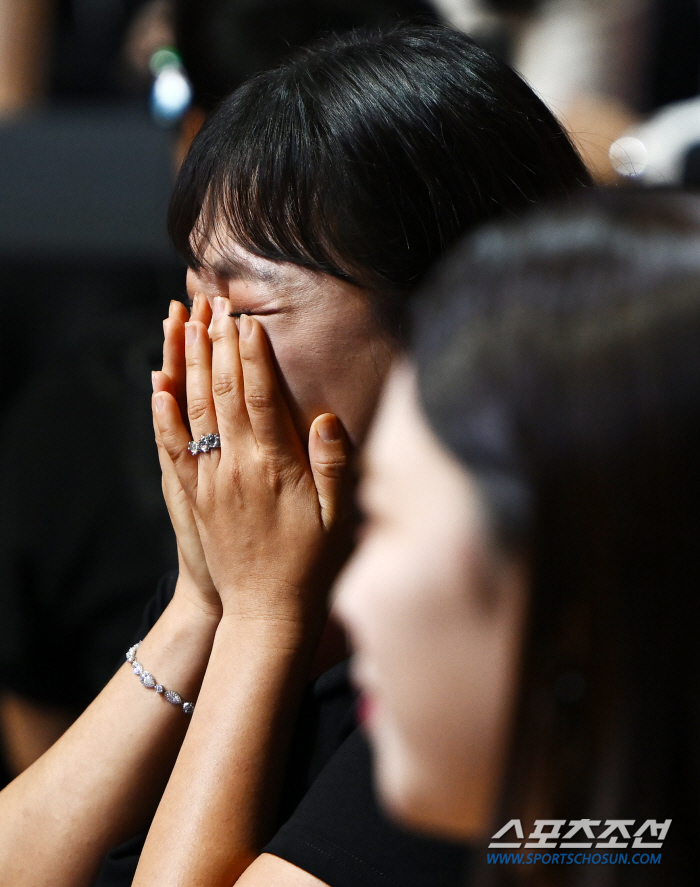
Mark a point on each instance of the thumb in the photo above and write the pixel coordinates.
(329, 458)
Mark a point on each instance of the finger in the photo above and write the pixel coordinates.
(172, 438)
(201, 309)
(267, 409)
(329, 457)
(227, 374)
(174, 352)
(160, 382)
(200, 403)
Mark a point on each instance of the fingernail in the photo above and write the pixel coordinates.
(190, 334)
(171, 307)
(153, 381)
(160, 403)
(219, 307)
(327, 428)
(245, 326)
(195, 300)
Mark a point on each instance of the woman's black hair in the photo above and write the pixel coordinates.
(559, 359)
(368, 154)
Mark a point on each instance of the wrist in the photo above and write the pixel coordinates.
(190, 594)
(283, 636)
(273, 604)
(269, 655)
(178, 647)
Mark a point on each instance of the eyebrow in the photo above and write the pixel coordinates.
(234, 268)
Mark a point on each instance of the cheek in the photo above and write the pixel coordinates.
(429, 655)
(302, 375)
(404, 609)
(367, 594)
(298, 361)
(441, 674)
(418, 737)
(323, 373)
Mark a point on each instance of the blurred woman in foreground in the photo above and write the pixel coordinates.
(525, 600)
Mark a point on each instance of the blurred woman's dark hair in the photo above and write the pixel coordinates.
(368, 154)
(224, 42)
(559, 359)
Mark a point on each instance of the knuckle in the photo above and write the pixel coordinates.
(193, 360)
(217, 331)
(224, 385)
(235, 476)
(167, 440)
(197, 408)
(272, 469)
(259, 401)
(181, 455)
(275, 478)
(331, 468)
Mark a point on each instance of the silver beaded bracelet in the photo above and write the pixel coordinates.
(150, 683)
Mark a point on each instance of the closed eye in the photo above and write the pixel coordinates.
(254, 313)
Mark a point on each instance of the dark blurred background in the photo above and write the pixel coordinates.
(98, 100)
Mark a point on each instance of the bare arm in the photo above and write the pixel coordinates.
(219, 806)
(271, 871)
(102, 779)
(263, 507)
(24, 43)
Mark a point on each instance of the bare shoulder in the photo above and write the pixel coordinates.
(271, 871)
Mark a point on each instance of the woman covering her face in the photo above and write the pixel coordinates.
(312, 201)
(524, 600)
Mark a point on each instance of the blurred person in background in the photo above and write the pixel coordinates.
(310, 204)
(603, 66)
(584, 58)
(524, 599)
(67, 51)
(71, 508)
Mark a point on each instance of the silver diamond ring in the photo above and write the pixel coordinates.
(205, 443)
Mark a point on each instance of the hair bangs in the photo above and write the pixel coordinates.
(366, 156)
(270, 192)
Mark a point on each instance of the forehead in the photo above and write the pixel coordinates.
(256, 283)
(401, 453)
(224, 257)
(406, 464)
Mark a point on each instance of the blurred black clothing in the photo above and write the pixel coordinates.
(330, 823)
(54, 308)
(84, 532)
(338, 833)
(83, 242)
